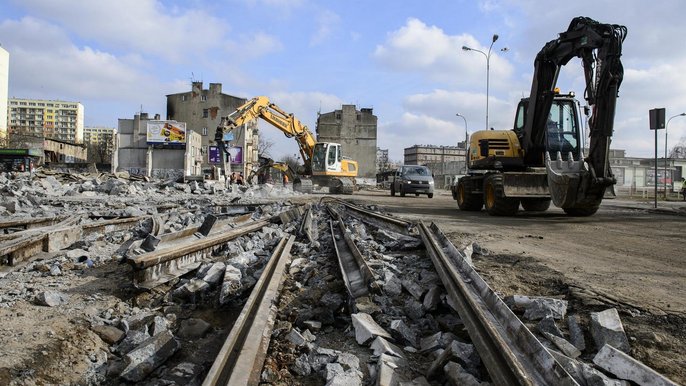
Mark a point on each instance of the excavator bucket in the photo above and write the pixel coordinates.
(573, 186)
(564, 179)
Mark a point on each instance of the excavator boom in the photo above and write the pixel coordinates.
(577, 185)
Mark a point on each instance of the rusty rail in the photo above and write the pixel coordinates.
(511, 353)
(374, 219)
(241, 358)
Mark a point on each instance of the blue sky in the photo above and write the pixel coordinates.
(402, 58)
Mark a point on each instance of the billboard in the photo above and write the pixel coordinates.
(214, 156)
(170, 132)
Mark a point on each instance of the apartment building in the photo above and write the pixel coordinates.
(202, 110)
(4, 91)
(55, 119)
(355, 130)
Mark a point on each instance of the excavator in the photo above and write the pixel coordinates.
(325, 164)
(266, 163)
(542, 158)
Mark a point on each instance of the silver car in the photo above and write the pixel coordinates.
(415, 179)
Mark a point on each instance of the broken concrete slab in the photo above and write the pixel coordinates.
(567, 348)
(184, 373)
(382, 346)
(538, 308)
(392, 284)
(606, 328)
(51, 298)
(386, 373)
(576, 335)
(457, 376)
(295, 337)
(403, 333)
(336, 375)
(430, 343)
(109, 334)
(625, 367)
(547, 325)
(366, 328)
(584, 374)
(413, 288)
(463, 353)
(432, 298)
(191, 290)
(193, 328)
(414, 309)
(231, 285)
(215, 273)
(145, 358)
(301, 366)
(313, 325)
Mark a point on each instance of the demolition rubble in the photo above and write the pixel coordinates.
(112, 279)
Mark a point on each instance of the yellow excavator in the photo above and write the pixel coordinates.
(325, 164)
(266, 163)
(542, 158)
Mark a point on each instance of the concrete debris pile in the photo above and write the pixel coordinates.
(608, 360)
(406, 333)
(22, 192)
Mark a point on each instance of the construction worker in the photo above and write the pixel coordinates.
(683, 189)
(285, 179)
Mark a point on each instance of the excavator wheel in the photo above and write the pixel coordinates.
(498, 205)
(581, 212)
(467, 201)
(302, 185)
(535, 204)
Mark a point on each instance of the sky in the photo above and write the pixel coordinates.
(403, 58)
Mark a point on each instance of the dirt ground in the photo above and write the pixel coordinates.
(627, 256)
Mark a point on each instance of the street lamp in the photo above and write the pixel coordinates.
(465, 128)
(666, 126)
(488, 67)
(466, 140)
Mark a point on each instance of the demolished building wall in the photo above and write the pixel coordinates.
(356, 131)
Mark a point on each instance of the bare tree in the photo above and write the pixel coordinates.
(263, 147)
(99, 152)
(293, 161)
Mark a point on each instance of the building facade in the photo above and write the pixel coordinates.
(4, 92)
(446, 162)
(137, 155)
(382, 162)
(356, 131)
(202, 110)
(100, 143)
(54, 119)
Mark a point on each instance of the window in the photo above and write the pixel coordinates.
(184, 98)
(204, 131)
(204, 150)
(205, 113)
(203, 98)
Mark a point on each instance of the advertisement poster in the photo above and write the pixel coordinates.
(236, 152)
(171, 132)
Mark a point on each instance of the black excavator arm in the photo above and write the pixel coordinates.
(600, 47)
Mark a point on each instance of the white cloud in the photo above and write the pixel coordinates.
(327, 21)
(417, 47)
(253, 46)
(145, 26)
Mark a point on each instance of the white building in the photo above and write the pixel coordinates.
(61, 120)
(4, 92)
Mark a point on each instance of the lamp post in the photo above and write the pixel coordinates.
(667, 126)
(488, 67)
(466, 140)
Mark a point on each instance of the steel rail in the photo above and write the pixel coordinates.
(375, 219)
(241, 358)
(511, 353)
(357, 276)
(175, 259)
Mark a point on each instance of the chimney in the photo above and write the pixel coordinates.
(144, 116)
(215, 88)
(157, 117)
(196, 89)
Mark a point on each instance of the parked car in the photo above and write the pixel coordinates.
(415, 179)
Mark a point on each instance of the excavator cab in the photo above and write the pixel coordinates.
(562, 131)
